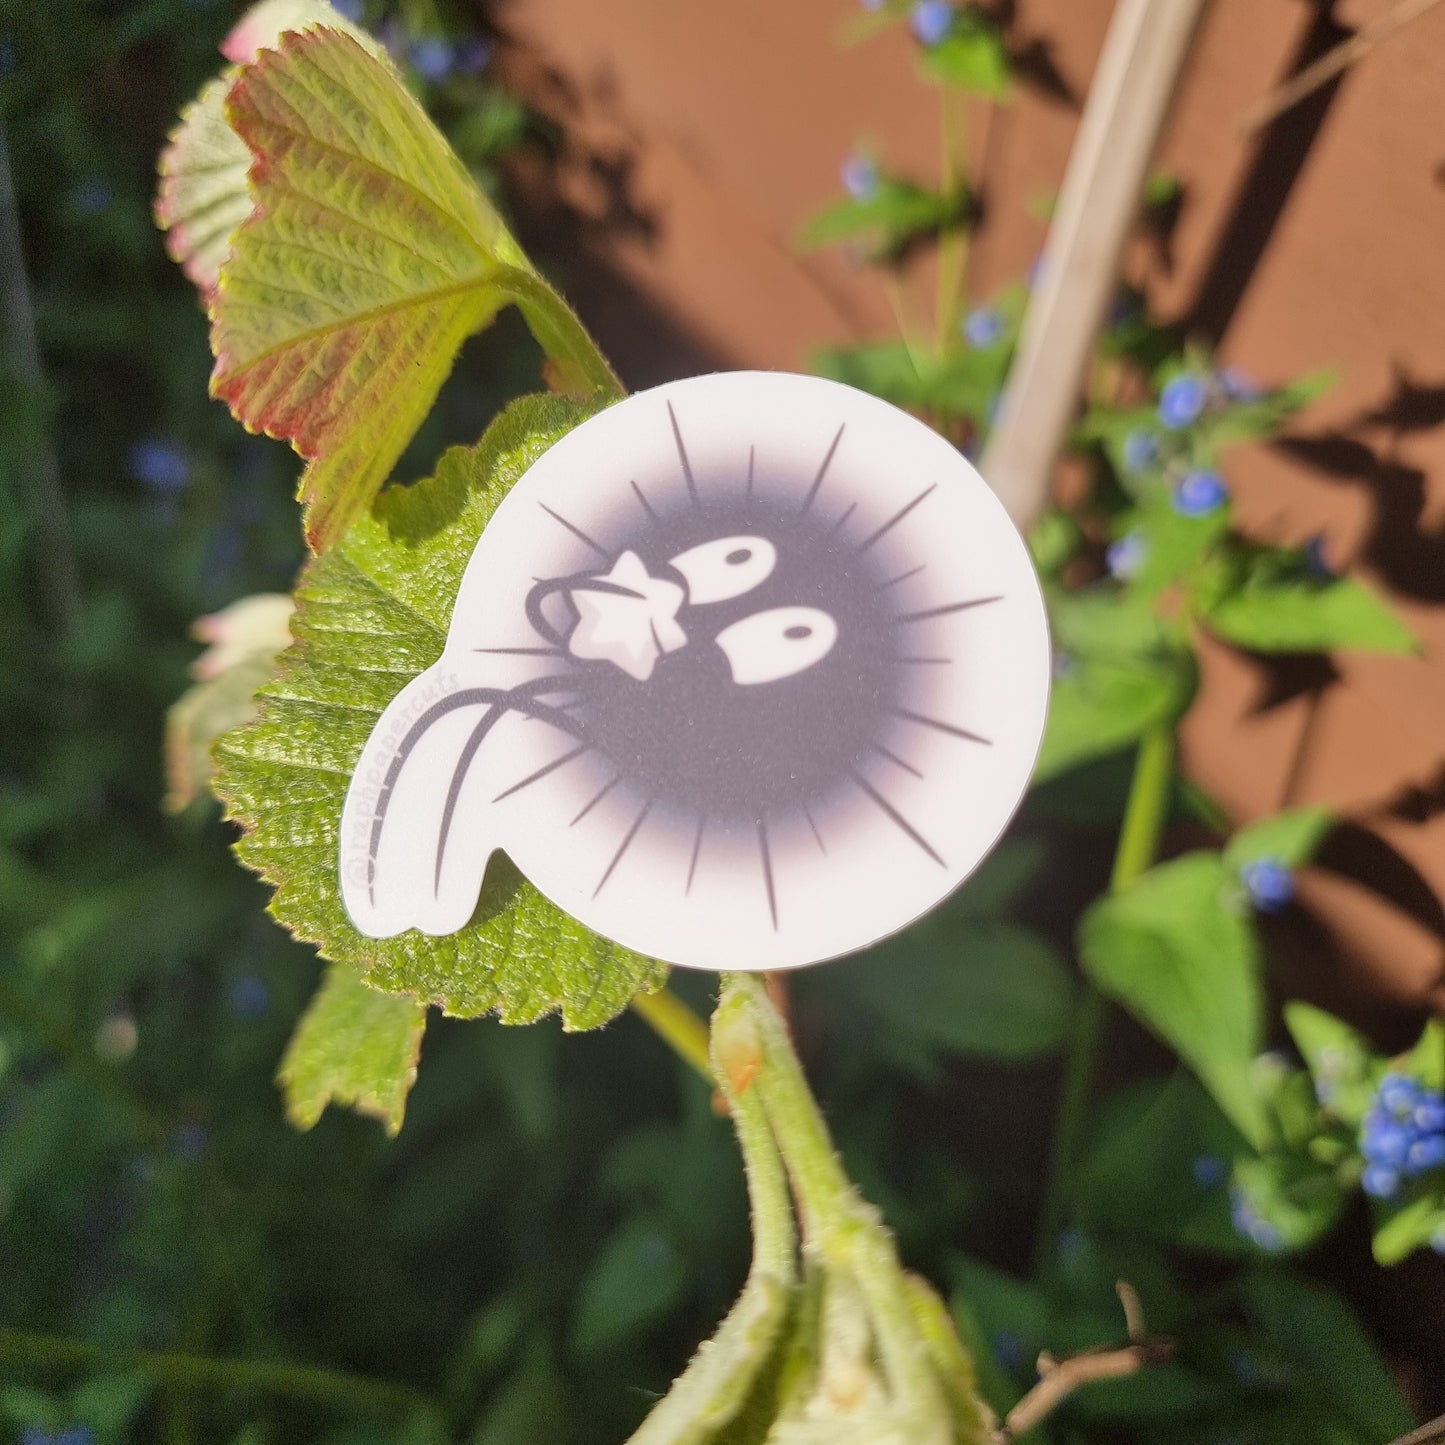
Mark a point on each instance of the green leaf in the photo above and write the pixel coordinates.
(965, 985)
(890, 219)
(1290, 838)
(1295, 1196)
(1426, 1061)
(1101, 705)
(1174, 544)
(1415, 1222)
(373, 613)
(1335, 1365)
(1340, 1061)
(973, 58)
(1301, 615)
(203, 194)
(1160, 1166)
(636, 1278)
(355, 1046)
(1177, 949)
(1118, 675)
(370, 256)
(1261, 417)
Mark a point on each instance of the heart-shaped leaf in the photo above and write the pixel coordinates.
(1177, 949)
(372, 613)
(370, 256)
(203, 194)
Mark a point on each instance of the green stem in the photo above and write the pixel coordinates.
(579, 363)
(678, 1027)
(343, 1392)
(1144, 816)
(953, 240)
(839, 1228)
(775, 1240)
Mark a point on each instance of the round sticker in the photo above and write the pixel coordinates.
(748, 671)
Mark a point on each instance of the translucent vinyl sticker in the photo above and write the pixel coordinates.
(747, 672)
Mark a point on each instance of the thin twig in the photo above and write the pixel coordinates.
(1058, 1379)
(1331, 63)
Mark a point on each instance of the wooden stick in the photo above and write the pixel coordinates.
(1430, 1434)
(1331, 63)
(1138, 72)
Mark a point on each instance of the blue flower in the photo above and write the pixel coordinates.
(473, 55)
(92, 195)
(1250, 1224)
(432, 57)
(1268, 882)
(1429, 1114)
(1437, 1239)
(76, 1435)
(931, 21)
(353, 10)
(1141, 448)
(860, 178)
(1400, 1094)
(1126, 555)
(160, 466)
(1425, 1154)
(1316, 563)
(983, 326)
(249, 997)
(190, 1140)
(1386, 1140)
(1403, 1134)
(34, 1435)
(1182, 401)
(1199, 493)
(1237, 385)
(1007, 1349)
(1380, 1182)
(1210, 1171)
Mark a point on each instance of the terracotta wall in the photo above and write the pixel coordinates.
(700, 137)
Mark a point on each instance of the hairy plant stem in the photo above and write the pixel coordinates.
(841, 1232)
(180, 1372)
(569, 347)
(1144, 816)
(677, 1026)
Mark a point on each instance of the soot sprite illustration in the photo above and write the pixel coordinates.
(747, 671)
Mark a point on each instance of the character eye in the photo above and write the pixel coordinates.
(777, 643)
(720, 570)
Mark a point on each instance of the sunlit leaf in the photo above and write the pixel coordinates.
(203, 194)
(1300, 615)
(373, 613)
(1291, 838)
(354, 1046)
(371, 255)
(1177, 949)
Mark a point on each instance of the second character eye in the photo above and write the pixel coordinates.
(778, 643)
(726, 568)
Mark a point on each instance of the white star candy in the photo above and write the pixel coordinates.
(631, 632)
